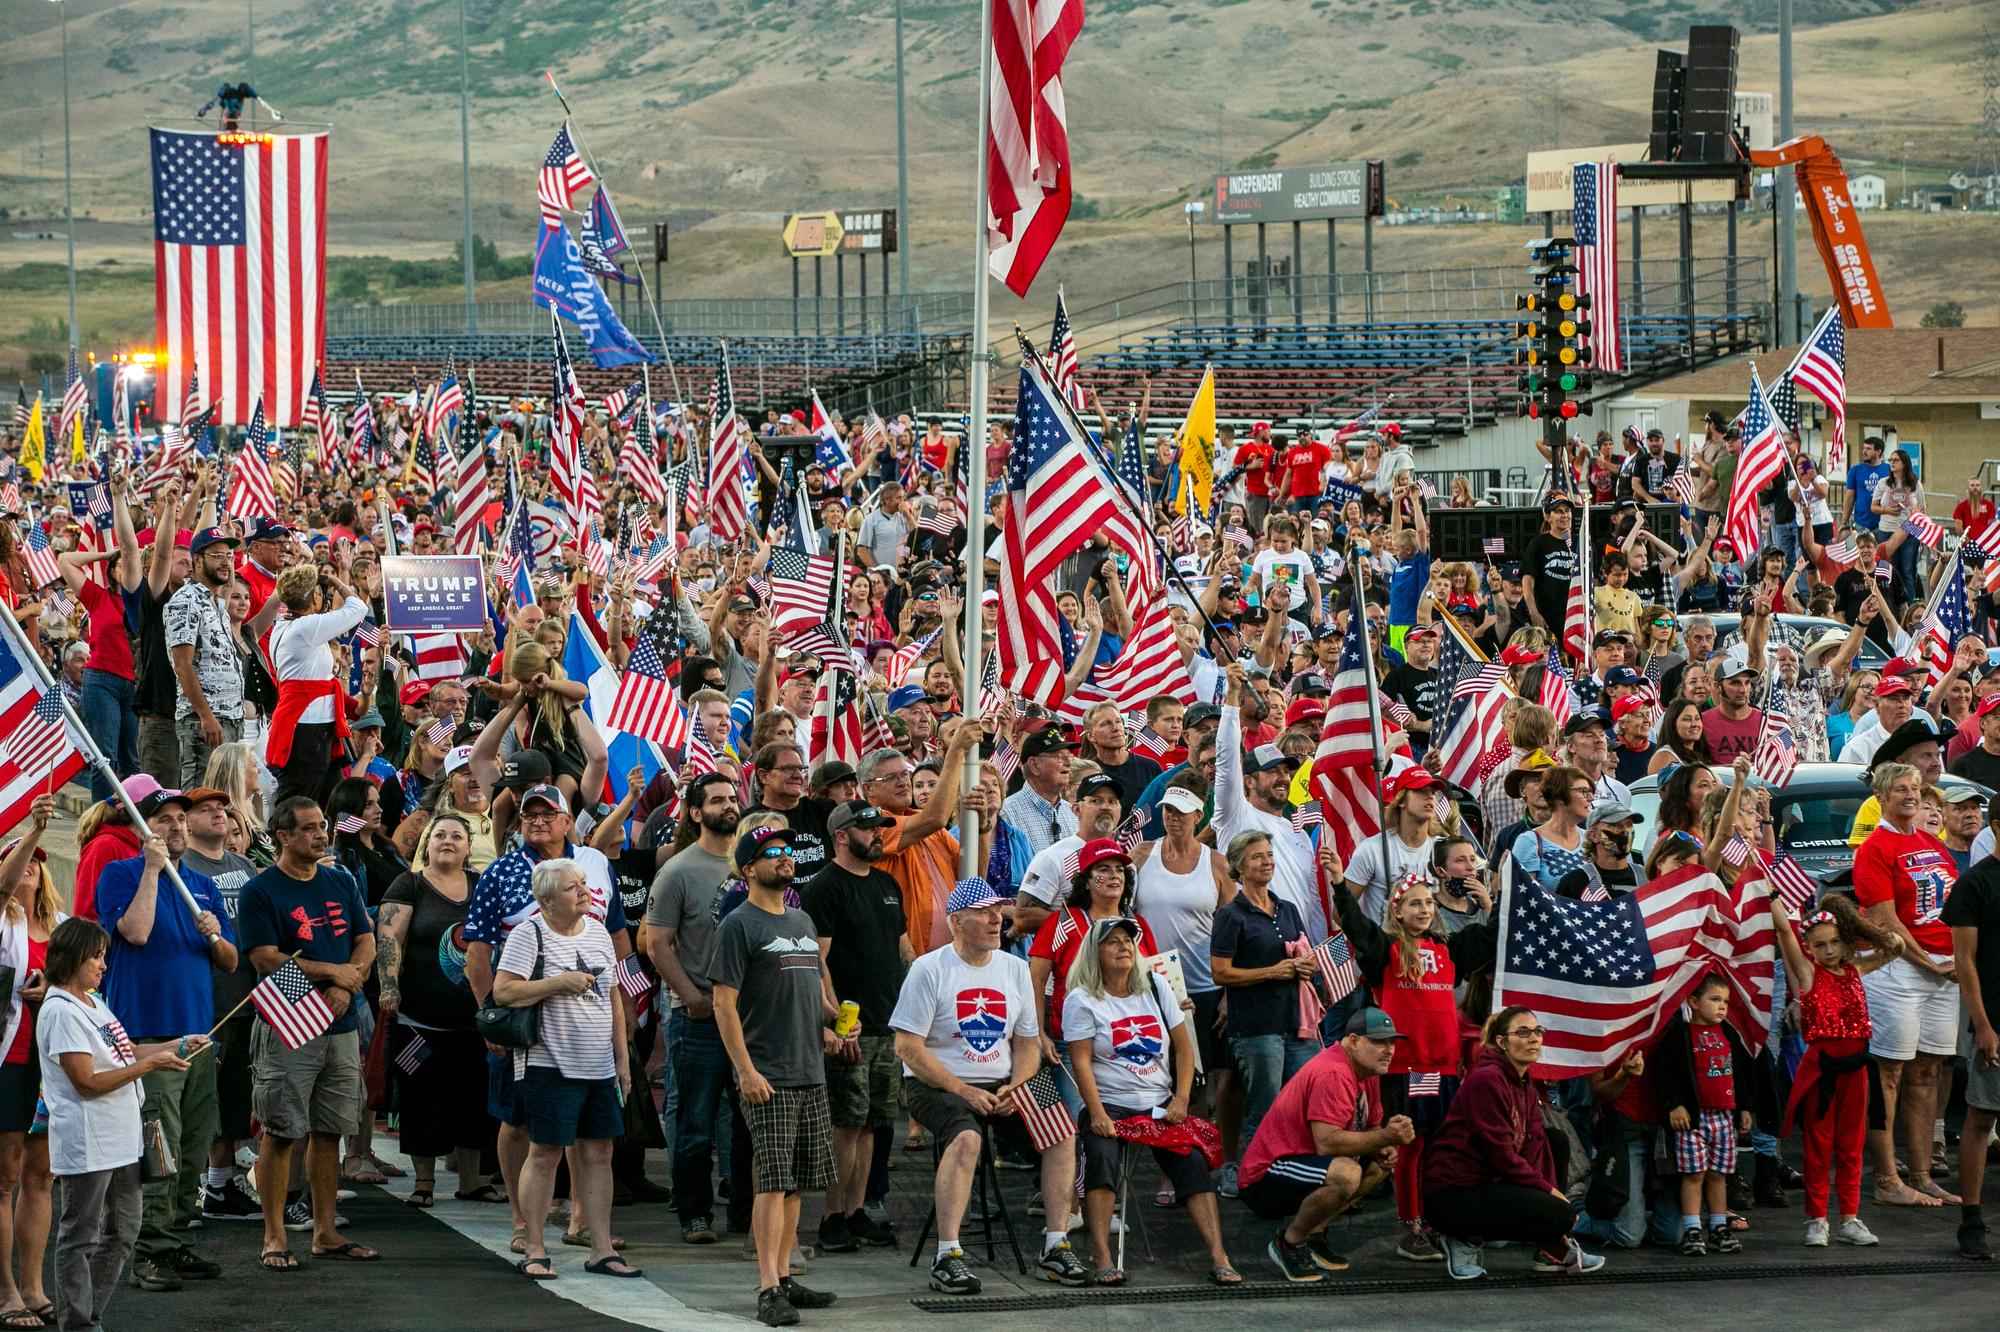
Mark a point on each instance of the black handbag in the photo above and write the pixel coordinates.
(513, 1028)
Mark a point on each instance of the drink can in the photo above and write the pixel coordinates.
(848, 1021)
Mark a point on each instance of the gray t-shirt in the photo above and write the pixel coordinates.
(884, 534)
(684, 893)
(772, 962)
(230, 872)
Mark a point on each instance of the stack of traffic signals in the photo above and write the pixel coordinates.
(1558, 337)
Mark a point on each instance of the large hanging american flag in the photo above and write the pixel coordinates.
(1062, 355)
(1343, 770)
(1027, 140)
(1604, 977)
(563, 174)
(1821, 366)
(1594, 216)
(37, 753)
(729, 503)
(1762, 458)
(239, 262)
(251, 494)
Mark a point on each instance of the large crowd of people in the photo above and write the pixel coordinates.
(741, 980)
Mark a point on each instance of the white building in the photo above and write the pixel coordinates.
(1868, 190)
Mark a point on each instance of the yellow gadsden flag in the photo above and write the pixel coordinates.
(78, 455)
(1197, 442)
(35, 444)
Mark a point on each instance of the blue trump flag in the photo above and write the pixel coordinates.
(562, 283)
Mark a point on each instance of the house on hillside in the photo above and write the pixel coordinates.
(1934, 387)
(1935, 198)
(1970, 182)
(1868, 190)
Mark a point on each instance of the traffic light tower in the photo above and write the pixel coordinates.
(1555, 382)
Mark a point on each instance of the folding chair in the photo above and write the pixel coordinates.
(985, 1187)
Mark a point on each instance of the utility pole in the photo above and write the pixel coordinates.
(902, 182)
(69, 185)
(465, 170)
(1986, 163)
(1783, 192)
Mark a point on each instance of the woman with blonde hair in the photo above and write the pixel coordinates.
(233, 770)
(552, 716)
(30, 916)
(310, 715)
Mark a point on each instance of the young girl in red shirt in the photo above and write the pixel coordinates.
(1830, 1090)
(1412, 968)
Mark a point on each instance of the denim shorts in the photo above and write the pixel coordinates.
(559, 1110)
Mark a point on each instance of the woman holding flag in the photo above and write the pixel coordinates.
(311, 712)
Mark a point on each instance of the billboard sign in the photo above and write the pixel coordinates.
(1299, 194)
(1552, 190)
(827, 232)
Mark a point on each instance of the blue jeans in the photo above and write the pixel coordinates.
(106, 705)
(1266, 1063)
(1904, 561)
(701, 1074)
(1633, 1226)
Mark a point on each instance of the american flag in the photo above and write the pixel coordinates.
(1735, 851)
(367, 635)
(729, 504)
(1307, 817)
(10, 499)
(1425, 1084)
(1556, 694)
(647, 705)
(288, 1001)
(316, 418)
(1594, 215)
(638, 459)
(907, 657)
(1145, 741)
(250, 492)
(1062, 355)
(838, 729)
(1471, 727)
(1924, 528)
(446, 404)
(1681, 486)
(632, 978)
(1338, 976)
(470, 496)
(1493, 546)
(1576, 615)
(37, 753)
(1604, 977)
(1821, 366)
(1777, 754)
(239, 249)
(874, 432)
(1947, 617)
(563, 174)
(360, 427)
(438, 655)
(91, 502)
(802, 604)
(1842, 552)
(1042, 1111)
(1785, 401)
(349, 824)
(42, 567)
(415, 1050)
(75, 398)
(1796, 888)
(566, 461)
(1007, 760)
(21, 412)
(615, 401)
(1762, 459)
(1398, 712)
(1238, 535)
(1343, 770)
(1027, 136)
(440, 732)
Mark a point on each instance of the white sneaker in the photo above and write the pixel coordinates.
(1854, 1232)
(1816, 1233)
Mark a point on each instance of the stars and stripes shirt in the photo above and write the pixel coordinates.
(504, 898)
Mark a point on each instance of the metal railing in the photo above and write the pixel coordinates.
(938, 311)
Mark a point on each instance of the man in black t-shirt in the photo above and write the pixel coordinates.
(1973, 913)
(1981, 763)
(1652, 470)
(1549, 565)
(857, 911)
(1414, 684)
(781, 780)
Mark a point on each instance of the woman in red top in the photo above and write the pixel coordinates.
(1412, 967)
(1902, 876)
(106, 701)
(1830, 1090)
(29, 916)
(1101, 890)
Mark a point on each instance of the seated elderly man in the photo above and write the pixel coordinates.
(968, 1032)
(1323, 1144)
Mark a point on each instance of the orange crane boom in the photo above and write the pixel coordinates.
(1836, 228)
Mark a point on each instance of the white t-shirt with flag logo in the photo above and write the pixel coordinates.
(1129, 1039)
(968, 1016)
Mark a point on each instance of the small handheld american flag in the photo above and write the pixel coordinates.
(1493, 546)
(1338, 976)
(1924, 528)
(1425, 1084)
(1307, 816)
(1777, 754)
(1843, 553)
(1042, 1111)
(349, 823)
(1681, 486)
(440, 731)
(412, 1056)
(1796, 888)
(288, 1001)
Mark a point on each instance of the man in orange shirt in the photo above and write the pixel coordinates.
(919, 852)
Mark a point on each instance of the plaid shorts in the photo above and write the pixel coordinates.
(793, 1138)
(1709, 1145)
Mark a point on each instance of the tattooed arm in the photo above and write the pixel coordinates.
(391, 930)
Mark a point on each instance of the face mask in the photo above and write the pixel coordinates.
(1453, 887)
(704, 585)
(1618, 844)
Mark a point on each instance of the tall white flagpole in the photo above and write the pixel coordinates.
(975, 471)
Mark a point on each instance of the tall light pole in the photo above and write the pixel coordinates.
(69, 187)
(465, 169)
(1907, 145)
(1782, 193)
(902, 179)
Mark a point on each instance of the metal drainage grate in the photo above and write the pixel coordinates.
(1334, 1287)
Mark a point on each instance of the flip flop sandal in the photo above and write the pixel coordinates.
(349, 1251)
(581, 1239)
(23, 1317)
(485, 1193)
(602, 1267)
(1166, 1198)
(1107, 1276)
(46, 1311)
(392, 1171)
(421, 1198)
(525, 1266)
(1225, 1276)
(278, 1260)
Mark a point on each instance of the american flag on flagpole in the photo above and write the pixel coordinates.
(1821, 366)
(288, 1001)
(1343, 770)
(37, 752)
(566, 461)
(1042, 1111)
(250, 491)
(1947, 617)
(906, 657)
(729, 506)
(469, 500)
(1576, 615)
(239, 252)
(647, 705)
(1338, 975)
(1777, 754)
(1556, 694)
(438, 655)
(1027, 136)
(360, 427)
(615, 401)
(563, 174)
(1604, 977)
(1796, 888)
(1761, 460)
(1062, 355)
(75, 398)
(1594, 216)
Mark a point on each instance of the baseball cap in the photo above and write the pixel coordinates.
(369, 720)
(413, 693)
(458, 758)
(1735, 666)
(742, 605)
(1622, 675)
(1628, 705)
(1302, 708)
(1891, 684)
(1048, 740)
(1613, 811)
(970, 895)
(1181, 800)
(1199, 713)
(1988, 704)
(138, 786)
(268, 529)
(1558, 501)
(1606, 637)
(856, 814)
(904, 696)
(547, 794)
(160, 799)
(1904, 666)
(1101, 929)
(830, 772)
(201, 795)
(1099, 850)
(210, 536)
(522, 769)
(8, 850)
(1409, 779)
(751, 844)
(1421, 631)
(1100, 781)
(1957, 791)
(1266, 757)
(1585, 718)
(1373, 1024)
(1519, 656)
